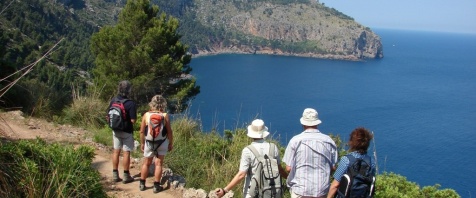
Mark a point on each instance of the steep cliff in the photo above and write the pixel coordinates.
(296, 28)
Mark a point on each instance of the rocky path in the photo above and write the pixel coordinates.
(14, 126)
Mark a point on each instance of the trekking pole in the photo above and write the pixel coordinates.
(375, 155)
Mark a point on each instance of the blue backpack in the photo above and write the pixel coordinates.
(359, 180)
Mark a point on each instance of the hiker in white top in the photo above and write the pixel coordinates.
(257, 131)
(309, 157)
(157, 149)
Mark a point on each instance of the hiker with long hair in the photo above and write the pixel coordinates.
(151, 147)
(359, 142)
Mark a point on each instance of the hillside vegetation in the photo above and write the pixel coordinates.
(29, 29)
(46, 62)
(207, 160)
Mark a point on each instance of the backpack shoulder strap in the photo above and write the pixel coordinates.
(367, 159)
(351, 158)
(350, 168)
(146, 116)
(254, 151)
(271, 150)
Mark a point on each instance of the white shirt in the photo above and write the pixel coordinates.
(248, 160)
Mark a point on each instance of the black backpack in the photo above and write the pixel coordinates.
(358, 181)
(116, 115)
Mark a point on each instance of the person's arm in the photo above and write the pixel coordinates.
(142, 133)
(288, 168)
(333, 167)
(333, 189)
(133, 113)
(170, 134)
(107, 111)
(289, 156)
(238, 177)
(282, 172)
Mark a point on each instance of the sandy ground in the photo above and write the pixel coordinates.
(13, 125)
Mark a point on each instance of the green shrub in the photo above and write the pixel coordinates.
(103, 136)
(394, 185)
(85, 111)
(34, 168)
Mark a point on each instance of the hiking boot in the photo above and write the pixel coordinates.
(157, 187)
(115, 177)
(142, 185)
(127, 178)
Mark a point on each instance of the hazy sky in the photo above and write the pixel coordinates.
(432, 15)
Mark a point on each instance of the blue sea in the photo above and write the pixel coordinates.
(419, 100)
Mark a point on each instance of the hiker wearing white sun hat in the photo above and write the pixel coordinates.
(309, 117)
(309, 157)
(257, 131)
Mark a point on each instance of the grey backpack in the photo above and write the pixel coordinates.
(266, 181)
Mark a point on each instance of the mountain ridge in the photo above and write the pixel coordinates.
(287, 27)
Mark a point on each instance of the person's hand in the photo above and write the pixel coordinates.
(142, 147)
(219, 192)
(171, 146)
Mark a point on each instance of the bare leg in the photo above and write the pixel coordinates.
(126, 162)
(115, 159)
(145, 168)
(158, 167)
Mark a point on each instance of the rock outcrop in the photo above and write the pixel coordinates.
(295, 29)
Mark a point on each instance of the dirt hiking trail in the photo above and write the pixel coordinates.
(14, 126)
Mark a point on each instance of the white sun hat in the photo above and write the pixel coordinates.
(309, 117)
(257, 129)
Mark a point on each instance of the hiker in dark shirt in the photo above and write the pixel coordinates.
(359, 142)
(123, 140)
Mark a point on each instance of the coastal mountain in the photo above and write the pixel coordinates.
(282, 27)
(59, 32)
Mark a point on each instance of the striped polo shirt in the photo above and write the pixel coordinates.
(310, 155)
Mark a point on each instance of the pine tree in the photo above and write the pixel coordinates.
(144, 48)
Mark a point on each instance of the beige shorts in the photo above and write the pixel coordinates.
(122, 140)
(161, 150)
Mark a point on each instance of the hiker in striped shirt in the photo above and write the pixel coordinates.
(310, 156)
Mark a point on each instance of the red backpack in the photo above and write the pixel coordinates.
(156, 131)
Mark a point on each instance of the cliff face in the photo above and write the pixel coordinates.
(284, 27)
(298, 29)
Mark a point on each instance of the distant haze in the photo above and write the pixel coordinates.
(435, 15)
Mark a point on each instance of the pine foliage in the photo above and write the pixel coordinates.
(144, 48)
